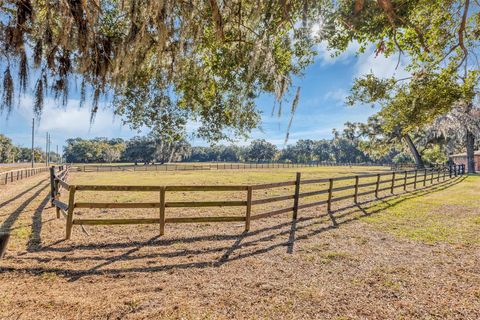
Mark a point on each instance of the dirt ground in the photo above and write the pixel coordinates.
(381, 261)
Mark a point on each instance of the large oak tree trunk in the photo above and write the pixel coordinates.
(413, 149)
(172, 153)
(470, 144)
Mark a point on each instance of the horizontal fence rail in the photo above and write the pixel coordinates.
(215, 166)
(356, 186)
(11, 176)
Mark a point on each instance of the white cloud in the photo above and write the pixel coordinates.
(381, 66)
(72, 121)
(327, 57)
(338, 96)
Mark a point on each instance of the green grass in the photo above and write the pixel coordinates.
(451, 215)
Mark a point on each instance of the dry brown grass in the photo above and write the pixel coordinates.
(15, 166)
(359, 267)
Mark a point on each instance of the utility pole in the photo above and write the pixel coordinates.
(49, 146)
(46, 150)
(33, 141)
(57, 156)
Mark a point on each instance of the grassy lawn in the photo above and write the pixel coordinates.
(413, 256)
(451, 217)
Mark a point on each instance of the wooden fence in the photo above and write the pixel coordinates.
(358, 184)
(214, 166)
(19, 174)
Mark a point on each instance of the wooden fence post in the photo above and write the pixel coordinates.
(57, 196)
(71, 205)
(162, 211)
(248, 213)
(377, 185)
(405, 181)
(425, 177)
(431, 177)
(355, 197)
(330, 187)
(392, 188)
(53, 192)
(297, 193)
(415, 180)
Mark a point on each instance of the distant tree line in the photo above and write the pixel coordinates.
(355, 143)
(11, 153)
(346, 146)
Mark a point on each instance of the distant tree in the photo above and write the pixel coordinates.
(232, 153)
(402, 158)
(323, 150)
(93, 150)
(261, 150)
(305, 150)
(25, 154)
(6, 149)
(289, 154)
(434, 155)
(139, 149)
(112, 153)
(199, 154)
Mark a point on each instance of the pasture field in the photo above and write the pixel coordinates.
(14, 166)
(416, 255)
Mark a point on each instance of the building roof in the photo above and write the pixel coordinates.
(477, 153)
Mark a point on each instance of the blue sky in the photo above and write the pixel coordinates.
(321, 108)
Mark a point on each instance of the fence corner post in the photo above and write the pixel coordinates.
(297, 195)
(248, 212)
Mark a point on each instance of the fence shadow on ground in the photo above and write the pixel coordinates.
(8, 223)
(294, 230)
(34, 243)
(18, 196)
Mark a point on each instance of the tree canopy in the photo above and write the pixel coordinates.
(164, 63)
(208, 59)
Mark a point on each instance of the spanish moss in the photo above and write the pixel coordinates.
(8, 91)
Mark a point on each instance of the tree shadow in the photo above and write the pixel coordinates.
(246, 244)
